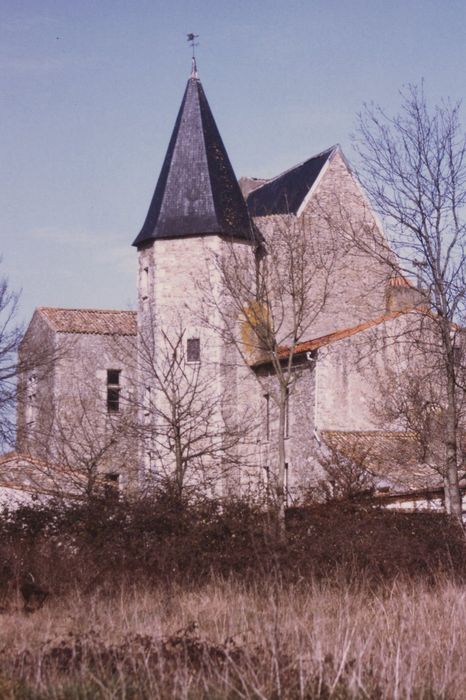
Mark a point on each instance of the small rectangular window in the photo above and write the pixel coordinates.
(193, 350)
(458, 355)
(113, 376)
(113, 390)
(113, 400)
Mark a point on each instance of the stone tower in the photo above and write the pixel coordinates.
(197, 208)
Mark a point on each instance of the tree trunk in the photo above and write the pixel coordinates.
(454, 495)
(178, 454)
(446, 490)
(280, 477)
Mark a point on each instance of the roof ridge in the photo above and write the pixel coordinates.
(344, 333)
(82, 308)
(398, 433)
(334, 336)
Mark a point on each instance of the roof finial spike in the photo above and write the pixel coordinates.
(192, 40)
(194, 68)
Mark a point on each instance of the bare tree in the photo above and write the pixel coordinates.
(10, 336)
(86, 450)
(188, 442)
(348, 475)
(271, 295)
(414, 401)
(413, 166)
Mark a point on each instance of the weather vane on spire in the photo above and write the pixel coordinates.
(192, 41)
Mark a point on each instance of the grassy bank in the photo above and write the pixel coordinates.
(226, 640)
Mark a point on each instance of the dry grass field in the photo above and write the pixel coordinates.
(227, 640)
(155, 599)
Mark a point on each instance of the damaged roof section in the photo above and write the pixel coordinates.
(285, 193)
(197, 192)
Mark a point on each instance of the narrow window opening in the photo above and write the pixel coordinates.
(267, 478)
(193, 350)
(287, 414)
(147, 403)
(31, 392)
(267, 416)
(286, 483)
(113, 390)
(458, 356)
(145, 284)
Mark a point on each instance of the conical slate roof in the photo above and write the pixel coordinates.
(197, 192)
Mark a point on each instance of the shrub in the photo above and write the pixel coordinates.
(160, 540)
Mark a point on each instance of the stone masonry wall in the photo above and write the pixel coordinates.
(337, 216)
(72, 426)
(179, 286)
(35, 385)
(351, 378)
(301, 447)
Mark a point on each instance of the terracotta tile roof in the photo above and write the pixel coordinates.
(92, 321)
(25, 473)
(395, 458)
(321, 341)
(400, 281)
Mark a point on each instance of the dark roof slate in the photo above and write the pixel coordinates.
(197, 192)
(285, 193)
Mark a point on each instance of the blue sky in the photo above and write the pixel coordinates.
(89, 92)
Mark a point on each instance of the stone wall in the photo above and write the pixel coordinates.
(339, 221)
(301, 446)
(180, 299)
(352, 375)
(72, 426)
(36, 381)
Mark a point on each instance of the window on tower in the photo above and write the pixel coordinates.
(113, 390)
(145, 283)
(31, 393)
(193, 350)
